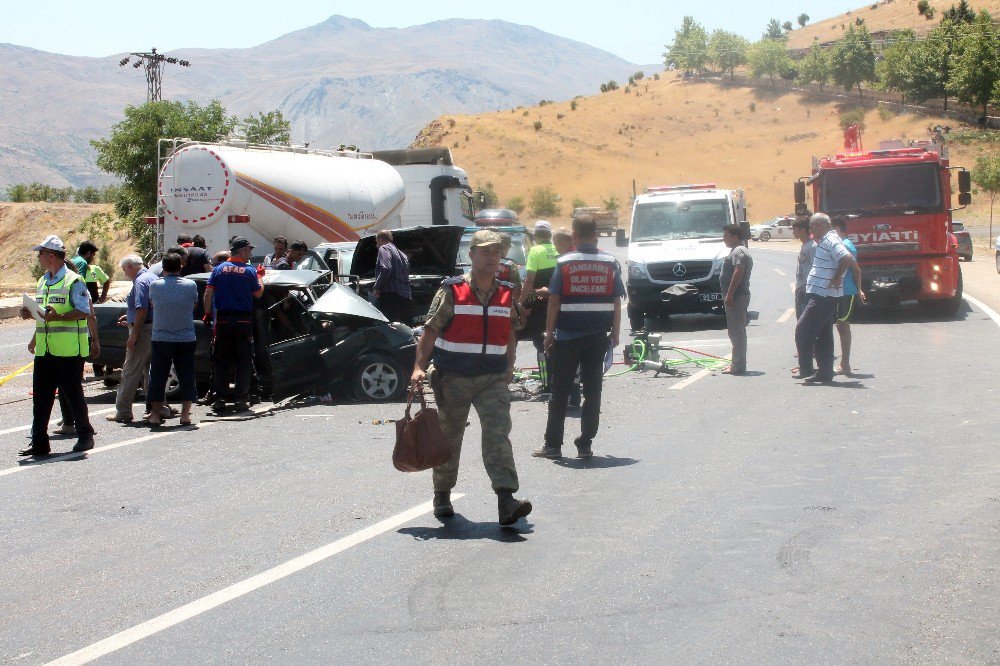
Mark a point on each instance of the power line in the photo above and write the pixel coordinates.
(153, 63)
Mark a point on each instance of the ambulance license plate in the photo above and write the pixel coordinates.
(710, 297)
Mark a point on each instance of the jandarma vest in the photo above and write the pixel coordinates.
(60, 338)
(475, 341)
(505, 272)
(587, 298)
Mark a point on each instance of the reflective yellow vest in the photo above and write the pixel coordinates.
(60, 338)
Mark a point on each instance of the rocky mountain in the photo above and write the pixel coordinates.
(340, 81)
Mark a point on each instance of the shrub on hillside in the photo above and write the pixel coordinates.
(922, 7)
(572, 105)
(538, 125)
(544, 202)
(516, 204)
(854, 116)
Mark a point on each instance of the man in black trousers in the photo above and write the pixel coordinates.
(583, 322)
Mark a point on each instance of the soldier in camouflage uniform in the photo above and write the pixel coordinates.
(470, 338)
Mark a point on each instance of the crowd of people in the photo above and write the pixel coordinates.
(827, 282)
(570, 303)
(161, 308)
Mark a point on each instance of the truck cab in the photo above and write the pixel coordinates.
(896, 203)
(675, 249)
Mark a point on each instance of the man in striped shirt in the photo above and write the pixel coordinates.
(824, 287)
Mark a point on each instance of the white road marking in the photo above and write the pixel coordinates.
(28, 427)
(98, 449)
(690, 380)
(781, 273)
(789, 313)
(990, 312)
(225, 595)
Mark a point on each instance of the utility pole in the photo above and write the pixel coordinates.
(153, 62)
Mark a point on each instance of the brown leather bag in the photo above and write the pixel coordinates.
(420, 442)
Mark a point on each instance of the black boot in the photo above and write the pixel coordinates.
(442, 504)
(511, 509)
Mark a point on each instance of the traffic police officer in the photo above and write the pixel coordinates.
(60, 345)
(470, 337)
(540, 265)
(584, 308)
(231, 289)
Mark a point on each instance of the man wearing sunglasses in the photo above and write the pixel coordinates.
(60, 345)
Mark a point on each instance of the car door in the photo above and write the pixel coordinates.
(296, 366)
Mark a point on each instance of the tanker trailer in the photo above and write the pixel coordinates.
(220, 190)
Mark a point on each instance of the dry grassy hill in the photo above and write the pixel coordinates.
(879, 16)
(23, 225)
(663, 132)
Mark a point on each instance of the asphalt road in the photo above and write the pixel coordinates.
(724, 519)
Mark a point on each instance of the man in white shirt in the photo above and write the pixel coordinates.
(824, 287)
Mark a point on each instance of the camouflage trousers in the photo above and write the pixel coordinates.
(454, 395)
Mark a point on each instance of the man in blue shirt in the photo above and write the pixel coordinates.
(231, 290)
(392, 280)
(846, 305)
(139, 319)
(582, 323)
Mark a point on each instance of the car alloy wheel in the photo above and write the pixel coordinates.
(765, 235)
(378, 379)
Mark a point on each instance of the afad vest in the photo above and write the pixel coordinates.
(60, 338)
(587, 299)
(475, 341)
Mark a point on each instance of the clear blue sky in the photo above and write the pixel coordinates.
(633, 29)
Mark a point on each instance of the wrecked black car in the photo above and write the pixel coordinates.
(433, 254)
(311, 333)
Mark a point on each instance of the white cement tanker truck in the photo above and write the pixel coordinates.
(220, 190)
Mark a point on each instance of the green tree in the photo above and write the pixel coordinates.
(768, 57)
(986, 174)
(802, 20)
(488, 196)
(853, 59)
(787, 26)
(611, 204)
(689, 50)
(976, 67)
(774, 31)
(815, 67)
(894, 70)
(728, 50)
(544, 202)
(959, 14)
(131, 149)
(269, 128)
(516, 204)
(923, 6)
(932, 64)
(18, 193)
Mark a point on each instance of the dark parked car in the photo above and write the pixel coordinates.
(432, 251)
(312, 334)
(496, 217)
(964, 239)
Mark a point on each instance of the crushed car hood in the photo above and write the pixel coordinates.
(340, 300)
(431, 250)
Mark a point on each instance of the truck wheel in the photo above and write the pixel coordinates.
(765, 235)
(947, 307)
(378, 378)
(636, 318)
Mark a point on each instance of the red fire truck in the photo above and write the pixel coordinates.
(896, 202)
